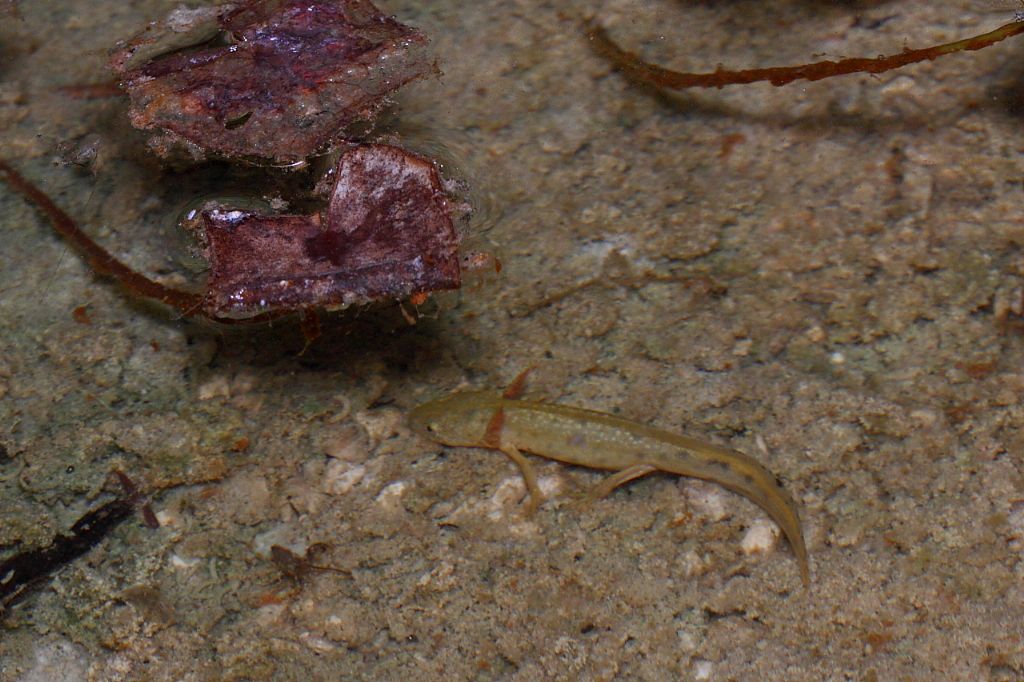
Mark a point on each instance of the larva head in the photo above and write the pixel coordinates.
(457, 419)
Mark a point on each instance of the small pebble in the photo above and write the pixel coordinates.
(317, 643)
(217, 387)
(381, 424)
(760, 537)
(341, 477)
(169, 518)
(346, 442)
(350, 624)
(507, 494)
(390, 497)
(707, 499)
(182, 563)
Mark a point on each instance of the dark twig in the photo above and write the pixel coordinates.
(21, 572)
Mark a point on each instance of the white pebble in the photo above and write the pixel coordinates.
(508, 492)
(900, 85)
(440, 578)
(347, 442)
(341, 477)
(550, 486)
(316, 643)
(269, 614)
(169, 518)
(215, 387)
(391, 495)
(278, 535)
(760, 537)
(344, 409)
(693, 565)
(381, 424)
(182, 563)
(687, 642)
(1015, 520)
(707, 499)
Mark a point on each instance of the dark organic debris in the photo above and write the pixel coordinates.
(386, 233)
(21, 572)
(289, 76)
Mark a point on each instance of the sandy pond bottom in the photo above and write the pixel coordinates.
(825, 276)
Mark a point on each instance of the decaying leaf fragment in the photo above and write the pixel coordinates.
(387, 233)
(284, 81)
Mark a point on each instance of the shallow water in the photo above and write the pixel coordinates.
(827, 276)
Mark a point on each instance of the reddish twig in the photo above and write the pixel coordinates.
(187, 303)
(89, 91)
(95, 255)
(637, 69)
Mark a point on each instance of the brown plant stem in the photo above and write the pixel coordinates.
(637, 69)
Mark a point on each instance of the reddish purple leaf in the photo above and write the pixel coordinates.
(386, 234)
(293, 75)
